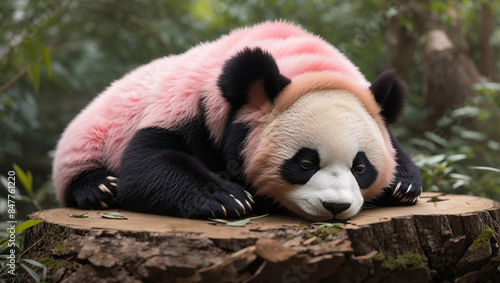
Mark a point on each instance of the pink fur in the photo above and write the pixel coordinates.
(166, 91)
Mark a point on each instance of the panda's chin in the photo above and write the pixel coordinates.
(330, 217)
(312, 212)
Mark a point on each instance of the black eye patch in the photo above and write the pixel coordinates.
(301, 167)
(363, 171)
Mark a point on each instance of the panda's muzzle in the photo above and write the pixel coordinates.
(336, 208)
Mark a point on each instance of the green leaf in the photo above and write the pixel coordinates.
(473, 135)
(431, 160)
(26, 179)
(486, 168)
(46, 59)
(436, 138)
(83, 215)
(257, 217)
(239, 222)
(219, 220)
(37, 264)
(36, 76)
(31, 273)
(4, 243)
(456, 157)
(466, 111)
(114, 215)
(326, 224)
(26, 224)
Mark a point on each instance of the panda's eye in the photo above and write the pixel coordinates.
(301, 167)
(359, 169)
(307, 164)
(363, 170)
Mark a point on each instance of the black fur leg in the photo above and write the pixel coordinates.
(93, 189)
(158, 175)
(407, 184)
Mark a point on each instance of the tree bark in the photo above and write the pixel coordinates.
(449, 73)
(441, 238)
(487, 62)
(399, 46)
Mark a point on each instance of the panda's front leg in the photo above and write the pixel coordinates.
(407, 184)
(158, 175)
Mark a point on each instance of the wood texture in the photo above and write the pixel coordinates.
(432, 241)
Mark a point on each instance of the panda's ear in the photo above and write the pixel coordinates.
(251, 76)
(390, 93)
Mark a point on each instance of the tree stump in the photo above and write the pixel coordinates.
(442, 238)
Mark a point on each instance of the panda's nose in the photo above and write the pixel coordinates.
(336, 208)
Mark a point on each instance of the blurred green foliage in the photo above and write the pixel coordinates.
(56, 55)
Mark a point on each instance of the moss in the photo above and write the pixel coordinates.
(483, 239)
(47, 261)
(288, 238)
(331, 231)
(58, 247)
(407, 260)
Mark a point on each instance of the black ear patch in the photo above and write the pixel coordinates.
(244, 70)
(390, 94)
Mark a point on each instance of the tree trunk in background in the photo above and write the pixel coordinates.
(399, 46)
(449, 73)
(487, 51)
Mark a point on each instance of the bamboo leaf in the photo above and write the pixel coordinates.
(36, 76)
(239, 222)
(257, 217)
(37, 264)
(325, 224)
(31, 273)
(26, 224)
(219, 220)
(23, 177)
(47, 62)
(114, 215)
(486, 168)
(83, 215)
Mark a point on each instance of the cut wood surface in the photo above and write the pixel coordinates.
(443, 237)
(140, 222)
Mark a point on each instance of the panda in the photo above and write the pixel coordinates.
(266, 117)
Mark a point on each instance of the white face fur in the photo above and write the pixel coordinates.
(336, 126)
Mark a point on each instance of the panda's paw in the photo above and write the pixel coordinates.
(100, 195)
(401, 192)
(108, 192)
(406, 193)
(231, 203)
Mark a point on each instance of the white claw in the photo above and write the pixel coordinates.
(397, 188)
(250, 197)
(242, 206)
(113, 184)
(105, 189)
(237, 212)
(104, 205)
(224, 210)
(213, 214)
(111, 178)
(409, 187)
(248, 204)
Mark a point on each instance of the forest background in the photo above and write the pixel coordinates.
(56, 55)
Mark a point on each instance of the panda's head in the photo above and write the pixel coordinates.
(318, 144)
